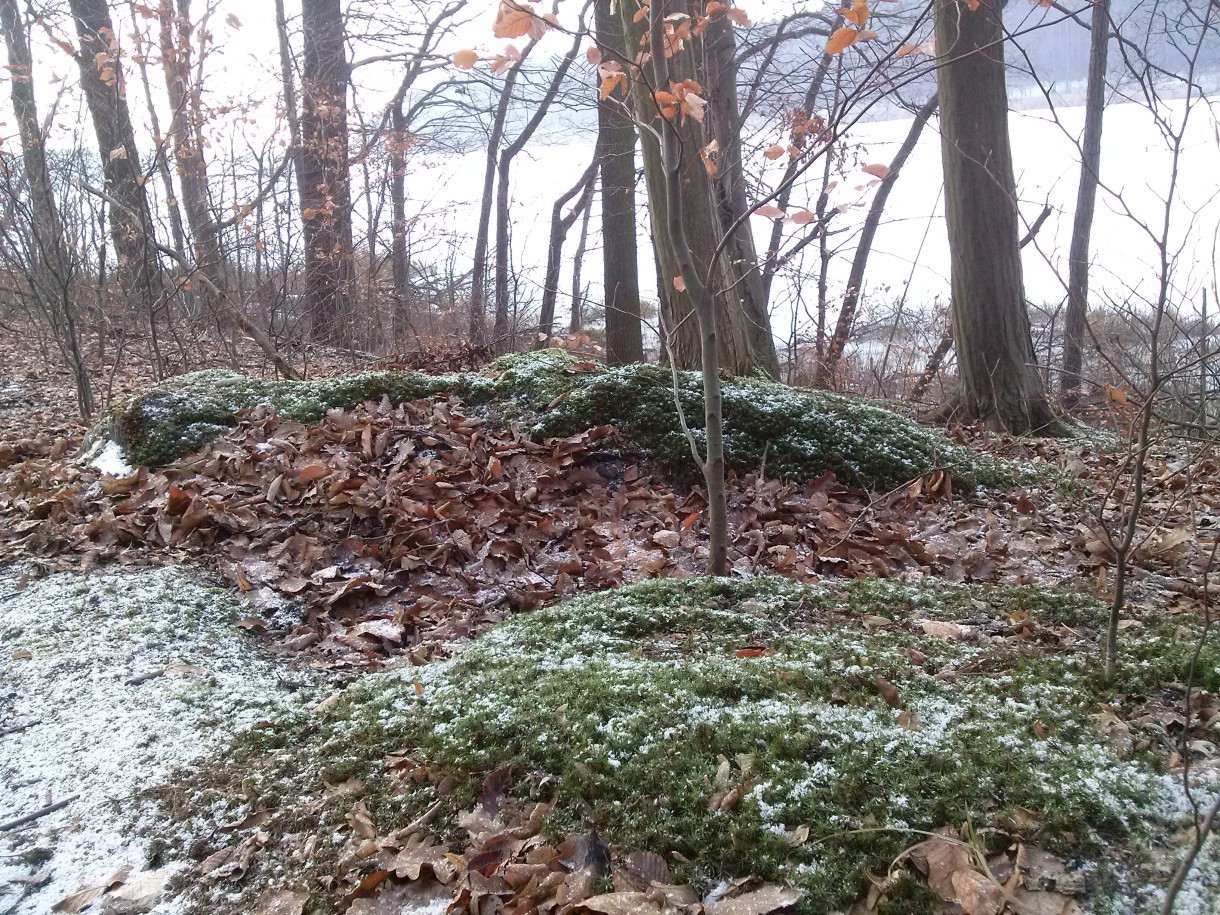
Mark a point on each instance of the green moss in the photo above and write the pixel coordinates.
(634, 707)
(795, 434)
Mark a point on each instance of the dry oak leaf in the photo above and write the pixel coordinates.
(949, 864)
(465, 59)
(419, 854)
(612, 76)
(1037, 902)
(889, 692)
(621, 904)
(769, 211)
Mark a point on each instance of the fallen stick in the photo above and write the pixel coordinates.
(38, 814)
(4, 732)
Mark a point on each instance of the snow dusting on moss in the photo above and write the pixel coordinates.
(793, 433)
(633, 708)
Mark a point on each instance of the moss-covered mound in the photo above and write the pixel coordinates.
(793, 433)
(643, 709)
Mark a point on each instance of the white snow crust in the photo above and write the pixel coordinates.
(108, 683)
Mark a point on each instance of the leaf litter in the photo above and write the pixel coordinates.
(388, 530)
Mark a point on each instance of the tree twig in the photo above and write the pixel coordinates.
(37, 814)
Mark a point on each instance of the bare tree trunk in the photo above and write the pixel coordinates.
(186, 140)
(998, 381)
(478, 277)
(323, 170)
(131, 227)
(502, 334)
(729, 186)
(1086, 199)
(855, 280)
(576, 322)
(177, 232)
(400, 265)
(620, 257)
(799, 139)
(701, 299)
(51, 268)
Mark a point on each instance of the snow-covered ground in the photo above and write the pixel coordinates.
(109, 683)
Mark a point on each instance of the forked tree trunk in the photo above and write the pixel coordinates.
(998, 381)
(561, 224)
(503, 334)
(576, 322)
(1086, 199)
(478, 276)
(620, 260)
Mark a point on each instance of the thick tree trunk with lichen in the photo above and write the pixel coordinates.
(998, 381)
(323, 170)
(620, 261)
(700, 218)
(729, 186)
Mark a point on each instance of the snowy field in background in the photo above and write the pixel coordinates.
(1136, 164)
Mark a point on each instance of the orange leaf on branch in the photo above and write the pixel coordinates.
(464, 59)
(612, 76)
(842, 39)
(515, 19)
(857, 13)
(502, 63)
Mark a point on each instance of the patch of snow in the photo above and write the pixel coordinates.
(108, 684)
(111, 460)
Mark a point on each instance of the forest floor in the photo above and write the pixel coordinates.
(206, 666)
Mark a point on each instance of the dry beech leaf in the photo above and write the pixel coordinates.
(942, 630)
(281, 902)
(758, 902)
(888, 691)
(841, 39)
(621, 904)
